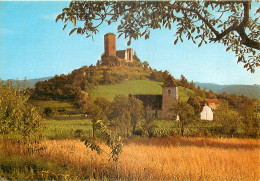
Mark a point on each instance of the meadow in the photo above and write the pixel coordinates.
(172, 158)
(62, 156)
(136, 87)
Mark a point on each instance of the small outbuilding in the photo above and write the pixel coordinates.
(212, 103)
(206, 114)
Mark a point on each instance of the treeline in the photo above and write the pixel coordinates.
(126, 116)
(69, 87)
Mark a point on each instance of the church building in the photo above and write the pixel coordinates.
(161, 104)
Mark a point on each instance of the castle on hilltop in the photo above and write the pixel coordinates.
(160, 104)
(110, 50)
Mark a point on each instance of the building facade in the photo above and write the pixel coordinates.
(206, 114)
(161, 104)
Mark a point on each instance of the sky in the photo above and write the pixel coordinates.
(33, 45)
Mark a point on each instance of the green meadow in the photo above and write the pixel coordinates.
(136, 87)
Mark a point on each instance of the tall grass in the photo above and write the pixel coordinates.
(161, 159)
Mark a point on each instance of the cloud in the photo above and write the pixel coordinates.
(51, 17)
(5, 31)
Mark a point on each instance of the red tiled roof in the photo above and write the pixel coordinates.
(212, 100)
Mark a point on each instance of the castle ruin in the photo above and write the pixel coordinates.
(110, 50)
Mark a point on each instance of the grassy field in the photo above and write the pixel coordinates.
(66, 128)
(68, 106)
(172, 158)
(69, 127)
(136, 87)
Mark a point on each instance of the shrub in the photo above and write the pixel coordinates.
(19, 119)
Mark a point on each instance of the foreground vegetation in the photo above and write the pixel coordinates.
(172, 158)
(42, 142)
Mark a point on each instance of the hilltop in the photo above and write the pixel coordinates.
(107, 81)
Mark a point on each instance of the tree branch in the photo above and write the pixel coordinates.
(247, 41)
(240, 29)
(197, 13)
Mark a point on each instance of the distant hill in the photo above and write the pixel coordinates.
(252, 91)
(30, 82)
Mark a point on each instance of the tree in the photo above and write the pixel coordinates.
(249, 114)
(185, 112)
(95, 112)
(120, 114)
(136, 111)
(18, 118)
(149, 123)
(184, 81)
(211, 95)
(195, 104)
(126, 112)
(106, 78)
(227, 22)
(105, 107)
(145, 65)
(226, 121)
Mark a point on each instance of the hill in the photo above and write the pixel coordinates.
(136, 87)
(252, 91)
(30, 82)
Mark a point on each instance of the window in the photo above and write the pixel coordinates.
(169, 92)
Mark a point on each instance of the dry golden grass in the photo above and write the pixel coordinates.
(163, 159)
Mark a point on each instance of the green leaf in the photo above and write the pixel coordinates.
(74, 29)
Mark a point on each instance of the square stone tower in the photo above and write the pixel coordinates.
(169, 96)
(110, 44)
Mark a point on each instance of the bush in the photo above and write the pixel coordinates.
(48, 111)
(19, 119)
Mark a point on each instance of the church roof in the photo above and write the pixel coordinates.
(170, 82)
(153, 101)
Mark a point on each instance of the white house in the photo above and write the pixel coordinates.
(206, 114)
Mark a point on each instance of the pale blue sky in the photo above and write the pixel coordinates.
(32, 45)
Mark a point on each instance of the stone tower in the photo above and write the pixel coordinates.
(129, 54)
(110, 44)
(169, 96)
